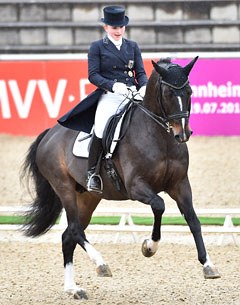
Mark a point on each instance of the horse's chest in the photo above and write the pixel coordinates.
(173, 163)
(175, 167)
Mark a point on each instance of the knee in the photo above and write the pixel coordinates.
(157, 204)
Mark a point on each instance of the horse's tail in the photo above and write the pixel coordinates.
(46, 206)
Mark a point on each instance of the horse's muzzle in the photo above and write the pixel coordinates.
(182, 135)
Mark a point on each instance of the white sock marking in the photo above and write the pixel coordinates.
(69, 283)
(153, 245)
(208, 262)
(94, 255)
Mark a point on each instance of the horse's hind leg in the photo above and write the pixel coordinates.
(183, 197)
(79, 216)
(68, 247)
(87, 202)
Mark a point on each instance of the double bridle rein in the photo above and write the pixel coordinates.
(164, 120)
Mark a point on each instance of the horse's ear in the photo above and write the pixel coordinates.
(187, 69)
(159, 69)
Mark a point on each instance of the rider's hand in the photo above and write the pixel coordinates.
(142, 91)
(139, 95)
(120, 88)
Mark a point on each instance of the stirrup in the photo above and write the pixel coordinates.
(96, 190)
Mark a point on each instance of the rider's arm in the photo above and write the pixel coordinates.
(140, 73)
(94, 69)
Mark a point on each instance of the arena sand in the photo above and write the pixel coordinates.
(32, 272)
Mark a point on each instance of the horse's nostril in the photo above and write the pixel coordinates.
(178, 138)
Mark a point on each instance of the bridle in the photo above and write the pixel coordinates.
(164, 120)
(177, 115)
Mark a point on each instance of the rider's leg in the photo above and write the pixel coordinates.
(108, 105)
(94, 181)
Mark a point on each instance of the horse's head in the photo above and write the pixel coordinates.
(175, 96)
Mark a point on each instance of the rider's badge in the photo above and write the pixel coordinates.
(130, 64)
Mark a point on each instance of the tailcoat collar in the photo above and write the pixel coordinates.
(112, 48)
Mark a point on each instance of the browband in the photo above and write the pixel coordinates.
(175, 87)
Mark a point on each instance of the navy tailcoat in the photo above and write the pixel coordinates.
(106, 65)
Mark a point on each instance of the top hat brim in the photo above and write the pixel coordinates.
(117, 22)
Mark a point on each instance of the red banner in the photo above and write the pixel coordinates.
(33, 94)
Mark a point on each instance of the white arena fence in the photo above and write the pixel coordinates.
(126, 224)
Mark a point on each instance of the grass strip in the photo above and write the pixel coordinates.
(138, 220)
(12, 220)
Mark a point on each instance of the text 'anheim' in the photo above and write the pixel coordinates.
(212, 90)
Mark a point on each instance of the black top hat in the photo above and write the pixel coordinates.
(114, 16)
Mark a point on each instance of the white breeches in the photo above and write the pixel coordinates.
(108, 105)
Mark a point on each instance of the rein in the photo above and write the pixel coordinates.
(163, 121)
(156, 118)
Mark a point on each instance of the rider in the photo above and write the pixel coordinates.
(114, 64)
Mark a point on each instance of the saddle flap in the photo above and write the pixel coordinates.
(113, 131)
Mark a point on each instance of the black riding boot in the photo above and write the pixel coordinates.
(94, 183)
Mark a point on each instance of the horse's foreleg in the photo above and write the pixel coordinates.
(144, 194)
(209, 270)
(183, 197)
(150, 246)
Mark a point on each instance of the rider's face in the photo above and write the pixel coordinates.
(116, 32)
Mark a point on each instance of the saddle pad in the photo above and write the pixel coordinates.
(81, 144)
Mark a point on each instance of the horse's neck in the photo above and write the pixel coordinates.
(152, 96)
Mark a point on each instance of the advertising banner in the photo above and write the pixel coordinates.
(35, 93)
(216, 97)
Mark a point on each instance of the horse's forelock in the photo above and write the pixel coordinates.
(166, 60)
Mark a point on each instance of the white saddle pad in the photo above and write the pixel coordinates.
(81, 144)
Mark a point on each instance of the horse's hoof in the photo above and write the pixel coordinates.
(146, 251)
(77, 293)
(104, 271)
(80, 295)
(211, 272)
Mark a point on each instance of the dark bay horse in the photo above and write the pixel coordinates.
(152, 157)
